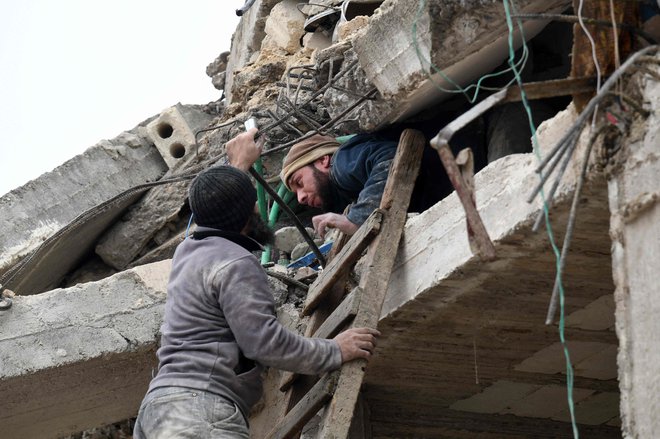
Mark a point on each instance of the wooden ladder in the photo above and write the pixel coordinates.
(331, 312)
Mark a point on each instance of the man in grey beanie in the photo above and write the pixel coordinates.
(220, 328)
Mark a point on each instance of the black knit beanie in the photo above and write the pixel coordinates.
(222, 197)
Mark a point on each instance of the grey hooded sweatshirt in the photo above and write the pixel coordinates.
(220, 328)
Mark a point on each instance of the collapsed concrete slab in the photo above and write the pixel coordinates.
(402, 41)
(80, 357)
(455, 328)
(37, 210)
(124, 240)
(47, 265)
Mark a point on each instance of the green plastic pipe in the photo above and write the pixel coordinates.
(286, 196)
(261, 192)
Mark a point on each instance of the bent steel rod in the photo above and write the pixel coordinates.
(440, 143)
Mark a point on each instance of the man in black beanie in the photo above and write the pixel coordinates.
(219, 328)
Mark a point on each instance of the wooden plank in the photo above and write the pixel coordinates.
(551, 88)
(380, 259)
(329, 328)
(608, 47)
(344, 261)
(311, 403)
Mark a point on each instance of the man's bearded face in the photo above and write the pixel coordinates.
(323, 188)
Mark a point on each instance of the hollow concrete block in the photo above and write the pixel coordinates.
(173, 132)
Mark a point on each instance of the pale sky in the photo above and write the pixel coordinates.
(73, 72)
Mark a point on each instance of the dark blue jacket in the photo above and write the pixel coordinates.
(359, 172)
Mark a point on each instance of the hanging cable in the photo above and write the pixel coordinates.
(593, 55)
(558, 279)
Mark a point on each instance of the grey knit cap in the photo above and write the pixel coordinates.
(222, 197)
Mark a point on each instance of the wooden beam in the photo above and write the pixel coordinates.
(343, 262)
(380, 260)
(549, 89)
(610, 48)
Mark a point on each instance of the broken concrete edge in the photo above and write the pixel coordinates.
(72, 188)
(124, 240)
(439, 234)
(120, 313)
(462, 46)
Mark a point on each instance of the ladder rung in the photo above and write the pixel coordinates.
(343, 262)
(346, 310)
(306, 408)
(332, 325)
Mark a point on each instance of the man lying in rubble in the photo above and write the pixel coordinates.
(219, 328)
(328, 175)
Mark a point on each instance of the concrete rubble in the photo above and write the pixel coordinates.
(464, 351)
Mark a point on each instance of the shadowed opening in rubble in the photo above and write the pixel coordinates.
(177, 150)
(165, 130)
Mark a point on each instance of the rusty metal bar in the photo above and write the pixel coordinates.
(486, 249)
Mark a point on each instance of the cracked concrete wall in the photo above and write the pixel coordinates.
(80, 357)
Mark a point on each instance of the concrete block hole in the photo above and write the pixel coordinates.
(165, 130)
(177, 150)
